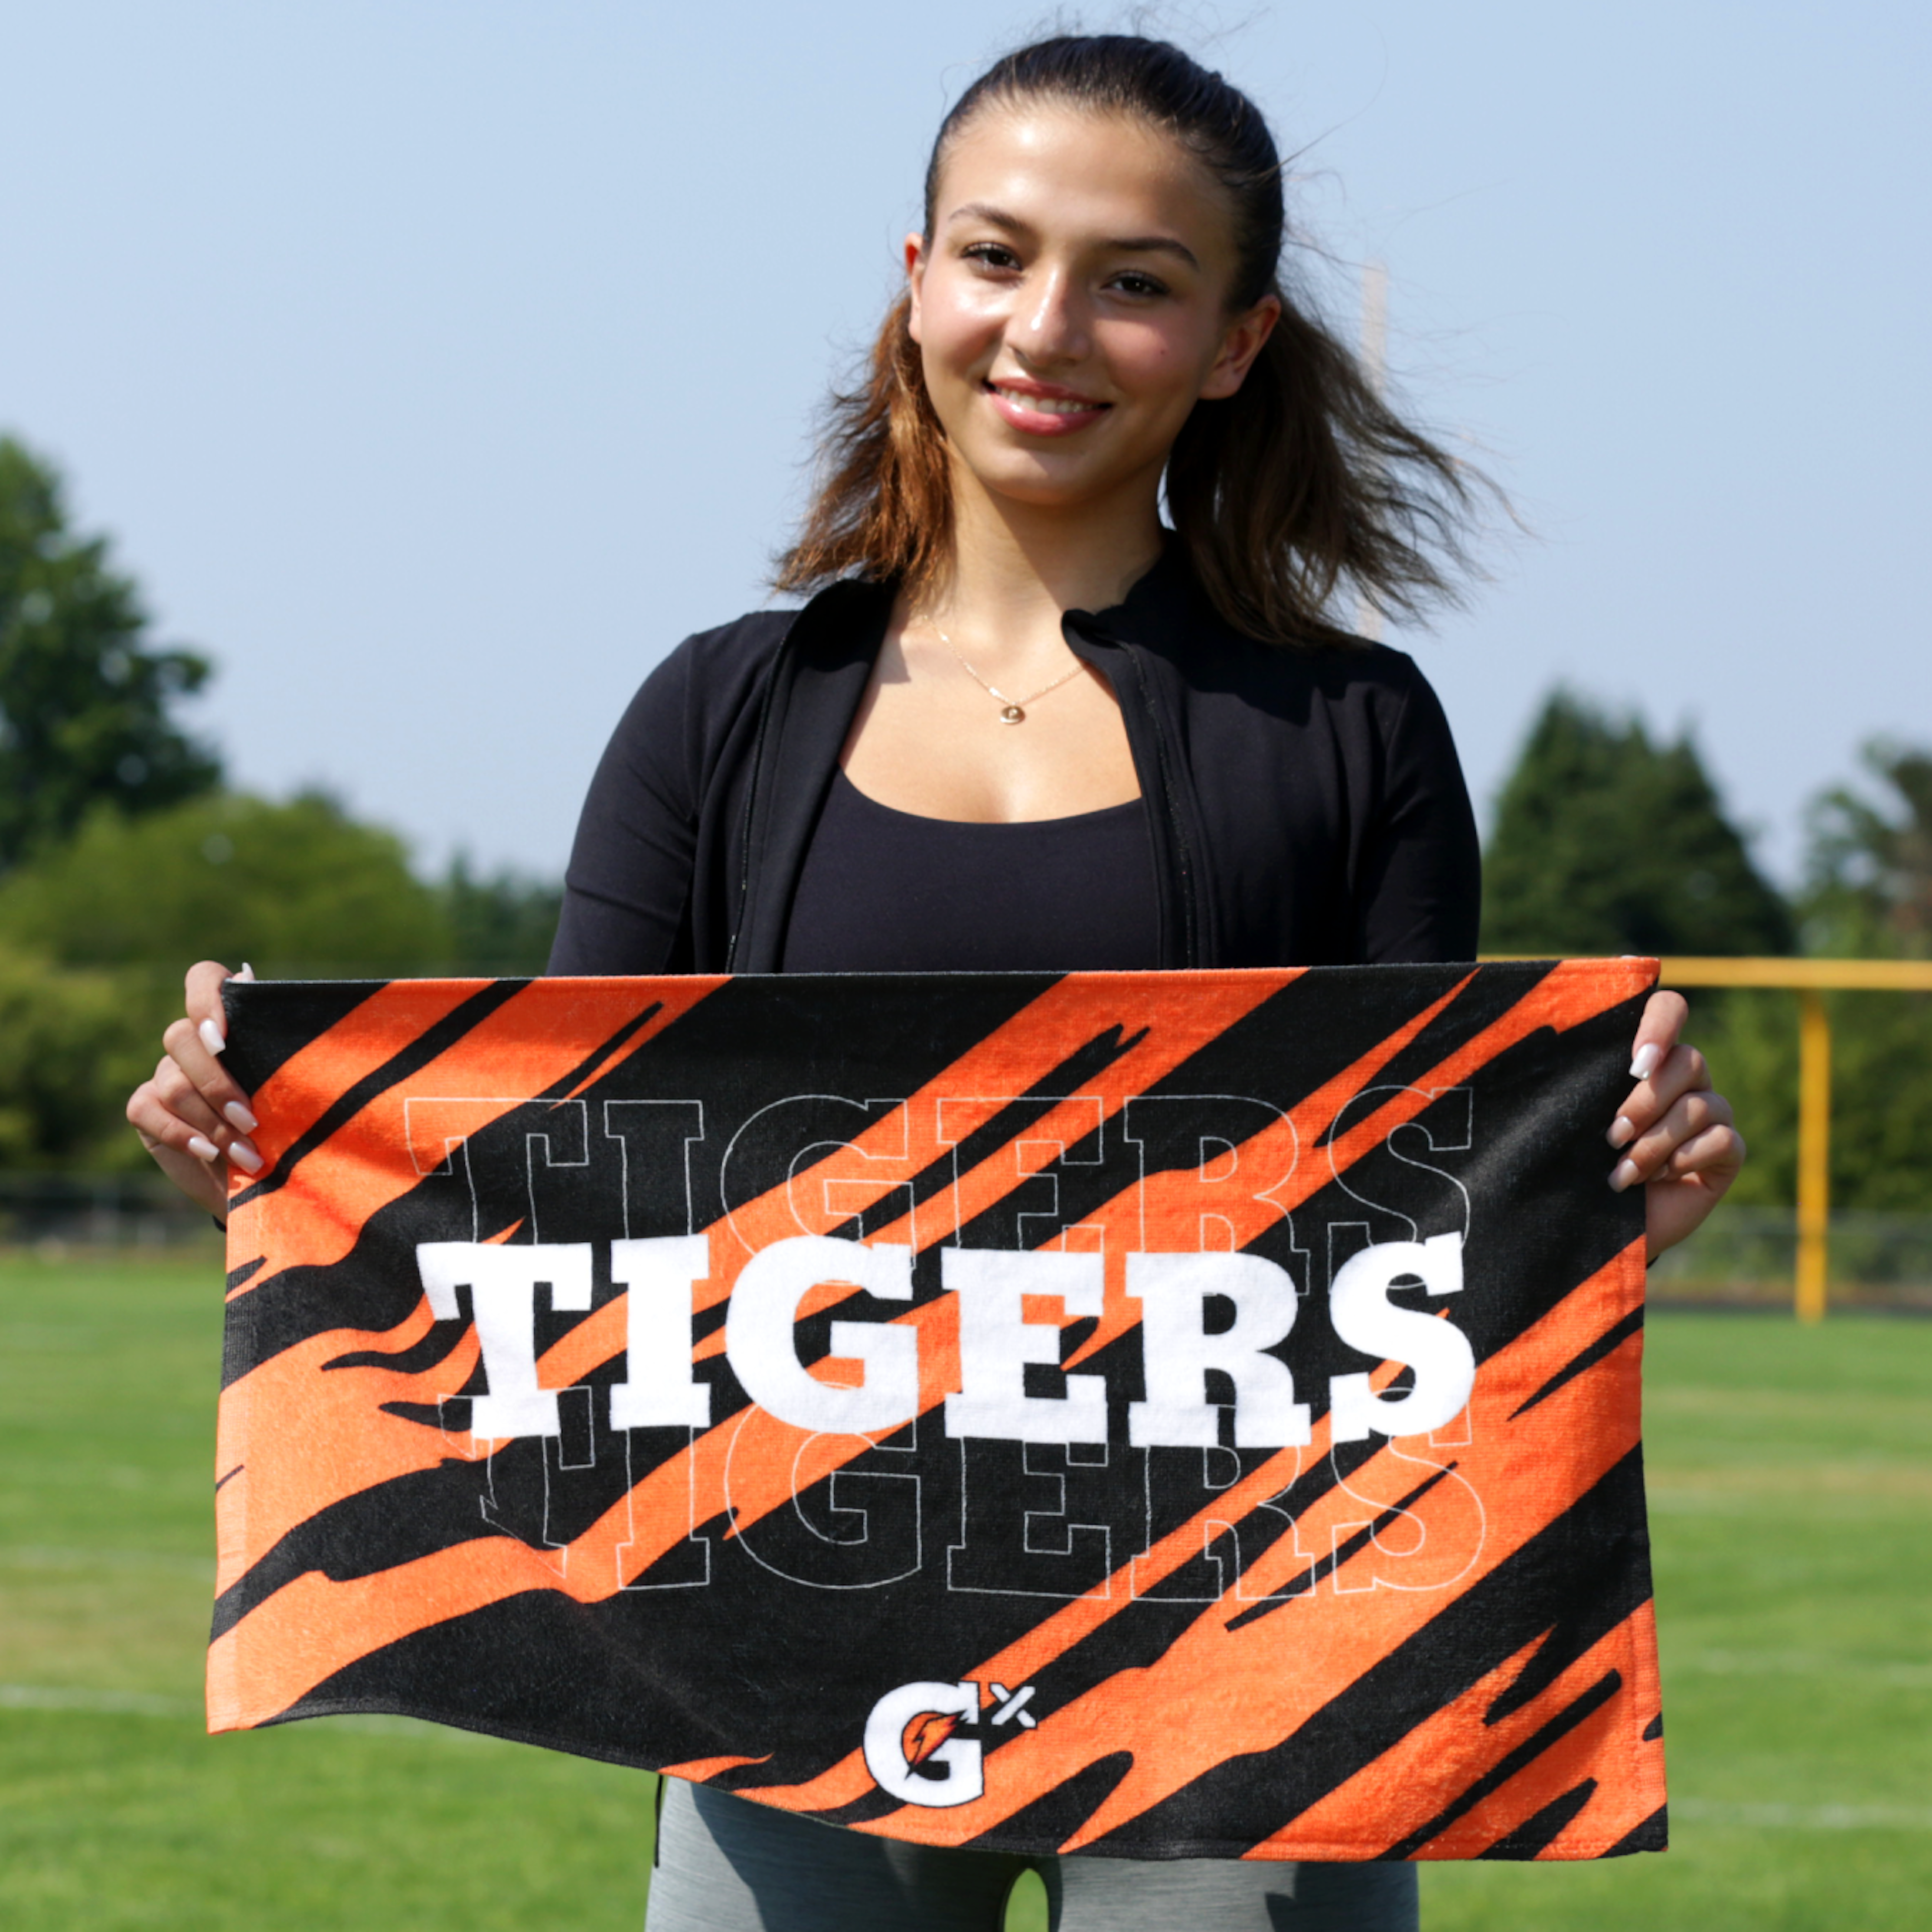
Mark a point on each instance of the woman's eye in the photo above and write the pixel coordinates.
(991, 255)
(1134, 283)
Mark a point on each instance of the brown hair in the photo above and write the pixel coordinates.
(1303, 481)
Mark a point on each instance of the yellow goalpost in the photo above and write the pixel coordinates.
(1810, 979)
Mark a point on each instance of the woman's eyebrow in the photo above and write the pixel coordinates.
(1125, 244)
(995, 218)
(1154, 245)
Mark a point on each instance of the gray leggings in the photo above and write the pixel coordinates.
(725, 1865)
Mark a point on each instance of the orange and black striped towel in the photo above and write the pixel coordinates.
(1153, 1415)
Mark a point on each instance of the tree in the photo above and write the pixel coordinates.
(1869, 880)
(95, 933)
(72, 1046)
(298, 890)
(1605, 843)
(500, 926)
(85, 697)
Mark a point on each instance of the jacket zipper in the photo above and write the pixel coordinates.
(765, 705)
(1190, 941)
(1176, 841)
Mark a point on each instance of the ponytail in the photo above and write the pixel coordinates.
(1305, 483)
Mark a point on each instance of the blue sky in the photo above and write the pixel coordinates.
(437, 366)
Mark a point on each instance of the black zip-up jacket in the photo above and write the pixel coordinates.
(1305, 807)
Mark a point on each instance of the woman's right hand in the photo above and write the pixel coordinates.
(191, 1116)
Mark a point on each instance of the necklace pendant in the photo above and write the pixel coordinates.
(1013, 715)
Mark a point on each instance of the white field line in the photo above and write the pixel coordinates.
(107, 1703)
(141, 1704)
(1901, 1676)
(1803, 1817)
(43, 1556)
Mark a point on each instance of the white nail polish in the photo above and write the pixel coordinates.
(1645, 1064)
(203, 1150)
(211, 1037)
(1621, 1175)
(244, 1156)
(1621, 1131)
(244, 1122)
(247, 972)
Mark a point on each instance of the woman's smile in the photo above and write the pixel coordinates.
(1042, 409)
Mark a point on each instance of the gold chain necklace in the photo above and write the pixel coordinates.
(1012, 709)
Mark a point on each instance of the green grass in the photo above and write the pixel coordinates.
(116, 1810)
(1791, 1485)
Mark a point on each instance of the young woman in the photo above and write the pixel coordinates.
(1023, 723)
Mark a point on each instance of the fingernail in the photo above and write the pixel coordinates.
(242, 1151)
(1621, 1175)
(247, 972)
(203, 1150)
(1620, 1129)
(240, 1118)
(211, 1037)
(1645, 1064)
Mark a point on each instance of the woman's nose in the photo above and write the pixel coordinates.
(1051, 325)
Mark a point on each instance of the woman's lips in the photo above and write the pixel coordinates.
(1042, 410)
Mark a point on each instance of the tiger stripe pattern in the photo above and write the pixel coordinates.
(1149, 1414)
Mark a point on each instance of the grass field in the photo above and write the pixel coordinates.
(1791, 1494)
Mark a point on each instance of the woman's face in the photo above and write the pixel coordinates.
(1072, 306)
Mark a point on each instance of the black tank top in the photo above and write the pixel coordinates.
(883, 891)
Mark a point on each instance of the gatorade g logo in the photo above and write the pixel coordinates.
(910, 1749)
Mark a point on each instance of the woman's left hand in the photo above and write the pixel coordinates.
(1675, 1132)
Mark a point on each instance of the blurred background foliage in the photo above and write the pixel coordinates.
(228, 877)
(1607, 842)
(123, 857)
